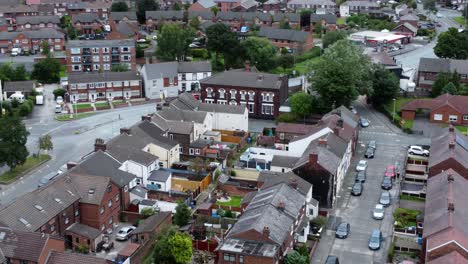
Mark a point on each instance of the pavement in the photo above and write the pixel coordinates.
(72, 140)
(391, 147)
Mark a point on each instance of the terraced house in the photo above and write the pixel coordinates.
(292, 40)
(30, 41)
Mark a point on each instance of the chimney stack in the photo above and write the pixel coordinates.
(339, 123)
(70, 165)
(293, 182)
(450, 177)
(266, 231)
(247, 66)
(260, 77)
(451, 207)
(451, 144)
(99, 145)
(322, 142)
(125, 130)
(281, 205)
(313, 159)
(451, 128)
(146, 118)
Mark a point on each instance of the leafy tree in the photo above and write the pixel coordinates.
(143, 6)
(172, 247)
(442, 80)
(429, 5)
(120, 68)
(59, 92)
(342, 73)
(318, 29)
(194, 23)
(176, 6)
(385, 86)
(20, 73)
(260, 52)
(450, 88)
(296, 258)
(65, 21)
(286, 61)
(139, 52)
(305, 17)
(215, 10)
(13, 138)
(173, 42)
(147, 212)
(45, 143)
(182, 215)
(198, 165)
(221, 40)
(119, 7)
(25, 109)
(47, 70)
(301, 104)
(452, 44)
(45, 48)
(71, 32)
(332, 36)
(284, 24)
(463, 90)
(6, 72)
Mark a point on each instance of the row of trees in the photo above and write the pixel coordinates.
(449, 83)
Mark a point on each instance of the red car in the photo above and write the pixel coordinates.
(390, 171)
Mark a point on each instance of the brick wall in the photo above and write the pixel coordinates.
(446, 111)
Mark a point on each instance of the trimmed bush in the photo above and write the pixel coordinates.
(200, 53)
(25, 108)
(59, 92)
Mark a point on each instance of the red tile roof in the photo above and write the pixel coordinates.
(73, 258)
(453, 258)
(129, 249)
(457, 102)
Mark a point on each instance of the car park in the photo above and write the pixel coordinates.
(124, 233)
(362, 165)
(385, 199)
(418, 150)
(342, 231)
(363, 122)
(375, 239)
(357, 189)
(379, 212)
(361, 176)
(387, 183)
(369, 153)
(390, 171)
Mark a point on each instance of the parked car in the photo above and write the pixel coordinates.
(353, 110)
(390, 171)
(418, 150)
(362, 165)
(369, 153)
(361, 176)
(372, 144)
(58, 109)
(357, 189)
(124, 233)
(375, 239)
(386, 183)
(343, 230)
(59, 100)
(332, 260)
(363, 122)
(379, 212)
(385, 199)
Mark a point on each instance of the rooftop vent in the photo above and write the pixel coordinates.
(26, 223)
(38, 207)
(91, 191)
(70, 193)
(58, 200)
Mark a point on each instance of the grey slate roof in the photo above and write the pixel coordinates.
(182, 115)
(42, 33)
(329, 18)
(361, 3)
(205, 15)
(148, 202)
(139, 191)
(84, 183)
(283, 161)
(35, 20)
(102, 164)
(151, 133)
(312, 2)
(58, 195)
(128, 147)
(326, 158)
(151, 223)
(408, 26)
(207, 3)
(74, 258)
(88, 77)
(186, 101)
(101, 43)
(263, 212)
(167, 15)
(245, 79)
(85, 18)
(409, 17)
(125, 29)
(117, 16)
(443, 65)
(159, 175)
(194, 66)
(23, 86)
(161, 70)
(176, 127)
(283, 34)
(271, 178)
(84, 230)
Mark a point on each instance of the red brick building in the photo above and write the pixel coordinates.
(261, 93)
(156, 18)
(150, 227)
(406, 29)
(86, 23)
(94, 86)
(37, 22)
(99, 8)
(429, 68)
(293, 40)
(30, 41)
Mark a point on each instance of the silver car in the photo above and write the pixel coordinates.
(124, 233)
(361, 166)
(379, 212)
(385, 199)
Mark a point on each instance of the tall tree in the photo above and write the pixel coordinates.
(442, 80)
(450, 88)
(20, 73)
(45, 143)
(341, 74)
(385, 86)
(260, 52)
(301, 104)
(429, 5)
(285, 61)
(119, 7)
(45, 48)
(332, 36)
(221, 40)
(215, 10)
(194, 23)
(143, 6)
(47, 70)
(172, 247)
(452, 44)
(13, 138)
(182, 215)
(173, 42)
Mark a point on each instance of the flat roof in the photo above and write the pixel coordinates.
(375, 36)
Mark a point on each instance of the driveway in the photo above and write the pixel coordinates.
(427, 128)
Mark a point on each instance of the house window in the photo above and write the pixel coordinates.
(52, 228)
(76, 59)
(67, 220)
(197, 151)
(209, 101)
(117, 197)
(233, 94)
(281, 135)
(102, 209)
(111, 220)
(105, 50)
(221, 93)
(103, 226)
(75, 50)
(106, 58)
(229, 257)
(183, 77)
(76, 68)
(77, 240)
(222, 102)
(181, 149)
(77, 212)
(106, 67)
(267, 109)
(95, 50)
(95, 58)
(241, 259)
(465, 117)
(251, 107)
(251, 95)
(205, 74)
(125, 57)
(110, 203)
(209, 92)
(453, 117)
(438, 117)
(109, 188)
(311, 211)
(463, 76)
(125, 49)
(191, 151)
(171, 136)
(96, 67)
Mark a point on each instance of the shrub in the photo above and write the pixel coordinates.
(228, 214)
(391, 253)
(287, 117)
(59, 92)
(233, 173)
(319, 221)
(83, 249)
(314, 52)
(25, 109)
(200, 53)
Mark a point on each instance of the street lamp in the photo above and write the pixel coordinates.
(394, 105)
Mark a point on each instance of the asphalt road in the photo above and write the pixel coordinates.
(71, 140)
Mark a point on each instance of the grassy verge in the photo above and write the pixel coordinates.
(82, 106)
(341, 21)
(460, 20)
(101, 104)
(31, 163)
(66, 117)
(411, 198)
(118, 102)
(409, 124)
(235, 201)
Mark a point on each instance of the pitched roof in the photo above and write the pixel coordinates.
(74, 258)
(117, 16)
(440, 150)
(87, 77)
(22, 245)
(173, 114)
(90, 188)
(194, 66)
(325, 157)
(206, 3)
(271, 178)
(329, 18)
(283, 161)
(126, 147)
(360, 3)
(186, 101)
(443, 65)
(408, 26)
(149, 132)
(409, 17)
(159, 175)
(312, 2)
(102, 164)
(441, 225)
(345, 128)
(176, 127)
(283, 34)
(151, 223)
(101, 43)
(42, 33)
(161, 70)
(85, 18)
(457, 102)
(453, 257)
(382, 58)
(32, 210)
(127, 29)
(245, 79)
(294, 128)
(84, 230)
(23, 86)
(169, 14)
(34, 20)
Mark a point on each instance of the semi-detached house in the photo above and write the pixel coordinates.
(30, 40)
(292, 40)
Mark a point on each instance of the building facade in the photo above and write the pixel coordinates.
(30, 41)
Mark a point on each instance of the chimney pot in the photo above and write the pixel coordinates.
(125, 130)
(450, 177)
(281, 205)
(70, 165)
(266, 231)
(322, 142)
(313, 159)
(293, 182)
(451, 207)
(99, 144)
(451, 144)
(146, 118)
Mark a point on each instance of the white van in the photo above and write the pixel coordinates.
(15, 51)
(18, 97)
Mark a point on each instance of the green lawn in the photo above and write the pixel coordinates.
(411, 198)
(31, 163)
(235, 201)
(341, 21)
(405, 217)
(460, 20)
(300, 68)
(66, 117)
(101, 104)
(81, 106)
(462, 129)
(409, 124)
(118, 102)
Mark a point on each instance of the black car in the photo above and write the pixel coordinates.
(361, 176)
(343, 230)
(386, 183)
(369, 153)
(357, 189)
